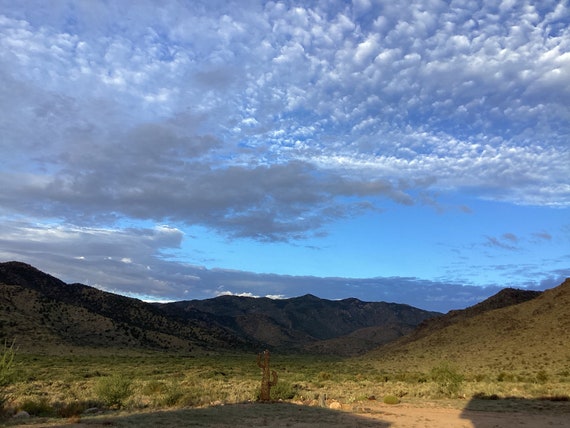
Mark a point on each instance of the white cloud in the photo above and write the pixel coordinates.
(249, 294)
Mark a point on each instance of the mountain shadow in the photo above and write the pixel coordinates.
(308, 323)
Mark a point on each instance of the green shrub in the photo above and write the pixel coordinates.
(154, 387)
(113, 391)
(39, 407)
(479, 377)
(283, 391)
(391, 399)
(506, 377)
(172, 394)
(447, 379)
(7, 364)
(162, 393)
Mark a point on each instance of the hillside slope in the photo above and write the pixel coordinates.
(308, 323)
(504, 298)
(522, 338)
(45, 314)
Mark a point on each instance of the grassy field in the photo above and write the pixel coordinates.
(67, 386)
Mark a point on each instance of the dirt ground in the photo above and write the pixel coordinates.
(419, 417)
(369, 414)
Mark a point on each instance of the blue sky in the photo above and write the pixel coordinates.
(416, 153)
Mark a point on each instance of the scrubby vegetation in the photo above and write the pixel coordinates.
(447, 379)
(7, 355)
(114, 391)
(68, 386)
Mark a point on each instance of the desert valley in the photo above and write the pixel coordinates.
(78, 356)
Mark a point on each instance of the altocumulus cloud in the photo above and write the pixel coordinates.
(268, 120)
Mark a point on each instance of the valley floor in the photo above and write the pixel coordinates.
(438, 413)
(161, 390)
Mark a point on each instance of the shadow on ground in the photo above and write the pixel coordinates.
(492, 411)
(235, 415)
(477, 413)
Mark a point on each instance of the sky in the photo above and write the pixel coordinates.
(413, 152)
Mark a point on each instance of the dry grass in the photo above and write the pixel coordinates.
(64, 387)
(525, 343)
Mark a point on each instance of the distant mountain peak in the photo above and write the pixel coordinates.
(309, 296)
(505, 298)
(18, 266)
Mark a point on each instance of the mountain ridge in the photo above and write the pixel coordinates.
(71, 315)
(506, 331)
(68, 315)
(304, 321)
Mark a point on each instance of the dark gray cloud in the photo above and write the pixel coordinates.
(131, 262)
(276, 201)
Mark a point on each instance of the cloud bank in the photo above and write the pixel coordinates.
(135, 262)
(278, 112)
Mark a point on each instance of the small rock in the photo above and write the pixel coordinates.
(335, 405)
(91, 410)
(22, 414)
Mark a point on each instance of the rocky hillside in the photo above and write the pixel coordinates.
(514, 332)
(309, 323)
(504, 298)
(45, 314)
